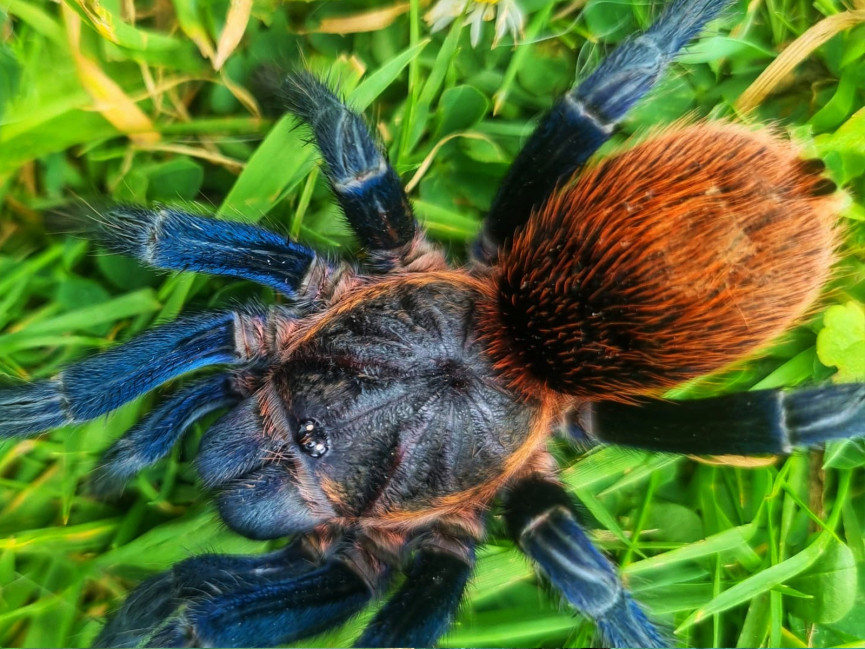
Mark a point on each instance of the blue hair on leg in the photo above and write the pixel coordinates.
(631, 70)
(421, 611)
(588, 580)
(821, 414)
(155, 436)
(165, 595)
(367, 187)
(102, 383)
(29, 409)
(580, 122)
(747, 423)
(276, 611)
(167, 238)
(540, 518)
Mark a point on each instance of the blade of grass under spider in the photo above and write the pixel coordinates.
(197, 532)
(777, 574)
(376, 83)
(85, 537)
(509, 627)
(408, 113)
(532, 31)
(132, 304)
(445, 223)
(604, 464)
(726, 541)
(498, 568)
(434, 82)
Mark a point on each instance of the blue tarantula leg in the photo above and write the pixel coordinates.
(366, 186)
(161, 597)
(422, 609)
(155, 436)
(581, 121)
(174, 240)
(273, 608)
(748, 423)
(540, 517)
(102, 383)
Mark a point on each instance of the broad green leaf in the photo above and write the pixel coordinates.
(830, 584)
(460, 108)
(841, 342)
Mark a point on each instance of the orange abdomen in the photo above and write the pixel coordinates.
(663, 263)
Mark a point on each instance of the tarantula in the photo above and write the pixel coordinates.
(378, 414)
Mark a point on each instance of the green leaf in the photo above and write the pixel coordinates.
(831, 584)
(460, 108)
(841, 342)
(10, 75)
(281, 161)
(843, 149)
(178, 179)
(124, 272)
(836, 110)
(760, 582)
(709, 547)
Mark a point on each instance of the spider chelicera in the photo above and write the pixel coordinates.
(379, 414)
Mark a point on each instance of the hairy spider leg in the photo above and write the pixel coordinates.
(252, 607)
(541, 519)
(366, 186)
(170, 239)
(748, 423)
(153, 438)
(162, 596)
(102, 383)
(586, 117)
(422, 609)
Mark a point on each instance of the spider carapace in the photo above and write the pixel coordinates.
(382, 414)
(383, 411)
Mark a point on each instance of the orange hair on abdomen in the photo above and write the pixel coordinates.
(663, 263)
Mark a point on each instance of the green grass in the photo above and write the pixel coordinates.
(728, 555)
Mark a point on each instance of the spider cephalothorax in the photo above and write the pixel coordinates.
(379, 413)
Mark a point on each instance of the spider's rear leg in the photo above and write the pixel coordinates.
(585, 118)
(422, 609)
(541, 519)
(366, 186)
(748, 423)
(174, 240)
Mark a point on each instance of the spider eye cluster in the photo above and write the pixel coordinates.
(312, 438)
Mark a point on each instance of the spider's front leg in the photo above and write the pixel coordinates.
(169, 239)
(542, 521)
(366, 186)
(97, 385)
(293, 593)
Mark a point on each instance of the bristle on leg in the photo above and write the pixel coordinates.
(663, 263)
